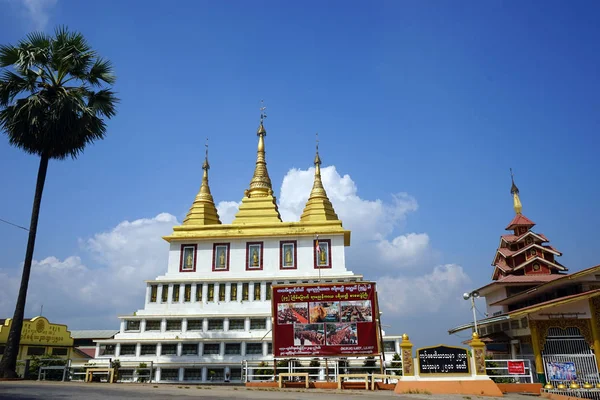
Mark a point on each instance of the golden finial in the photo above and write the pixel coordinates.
(318, 207)
(260, 184)
(263, 115)
(203, 210)
(405, 337)
(514, 190)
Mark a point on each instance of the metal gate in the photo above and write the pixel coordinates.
(569, 346)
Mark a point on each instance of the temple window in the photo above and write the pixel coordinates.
(168, 349)
(215, 324)
(258, 324)
(187, 293)
(153, 325)
(148, 349)
(108, 350)
(245, 289)
(211, 292)
(153, 293)
(211, 349)
(254, 348)
(524, 323)
(233, 348)
(192, 374)
(222, 292)
(169, 374)
(199, 292)
(268, 293)
(175, 293)
(189, 349)
(194, 325)
(187, 262)
(233, 292)
(165, 293)
(257, 291)
(529, 240)
(132, 325)
(236, 324)
(173, 324)
(127, 349)
(254, 255)
(389, 346)
(287, 254)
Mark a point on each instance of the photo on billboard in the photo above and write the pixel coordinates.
(325, 312)
(342, 333)
(292, 313)
(356, 311)
(309, 335)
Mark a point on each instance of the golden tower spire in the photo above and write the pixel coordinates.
(318, 207)
(259, 205)
(514, 190)
(203, 210)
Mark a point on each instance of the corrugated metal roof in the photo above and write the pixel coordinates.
(94, 334)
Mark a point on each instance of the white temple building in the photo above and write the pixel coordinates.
(211, 310)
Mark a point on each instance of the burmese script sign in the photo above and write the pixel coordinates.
(443, 360)
(40, 331)
(316, 320)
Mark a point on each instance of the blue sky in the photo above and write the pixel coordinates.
(435, 99)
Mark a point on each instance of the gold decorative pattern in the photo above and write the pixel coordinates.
(478, 354)
(562, 323)
(514, 190)
(408, 368)
(203, 210)
(318, 207)
(594, 303)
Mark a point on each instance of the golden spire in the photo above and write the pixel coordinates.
(514, 190)
(259, 205)
(260, 184)
(203, 210)
(318, 207)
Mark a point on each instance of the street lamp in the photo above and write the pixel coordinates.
(472, 295)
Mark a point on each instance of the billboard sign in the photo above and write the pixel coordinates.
(321, 320)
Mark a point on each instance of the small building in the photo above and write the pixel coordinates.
(84, 342)
(536, 310)
(39, 337)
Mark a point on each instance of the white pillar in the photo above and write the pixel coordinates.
(227, 292)
(182, 293)
(159, 294)
(204, 373)
(138, 349)
(118, 350)
(251, 291)
(225, 324)
(200, 349)
(158, 349)
(180, 374)
(184, 325)
(243, 348)
(179, 349)
(204, 292)
(239, 291)
(269, 324)
(222, 349)
(263, 291)
(97, 350)
(170, 294)
(247, 324)
(163, 325)
(265, 349)
(205, 325)
(143, 325)
(513, 349)
(194, 287)
(122, 326)
(157, 374)
(148, 294)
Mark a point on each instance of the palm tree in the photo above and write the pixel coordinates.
(54, 93)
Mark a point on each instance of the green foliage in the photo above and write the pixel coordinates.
(55, 92)
(396, 363)
(46, 360)
(142, 369)
(116, 364)
(370, 365)
(263, 370)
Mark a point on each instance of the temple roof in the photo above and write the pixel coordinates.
(318, 207)
(520, 220)
(203, 210)
(259, 205)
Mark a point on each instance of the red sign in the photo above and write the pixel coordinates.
(516, 367)
(316, 320)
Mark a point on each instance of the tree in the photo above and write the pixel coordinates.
(55, 92)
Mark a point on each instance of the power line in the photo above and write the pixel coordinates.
(10, 223)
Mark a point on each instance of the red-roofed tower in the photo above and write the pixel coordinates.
(524, 252)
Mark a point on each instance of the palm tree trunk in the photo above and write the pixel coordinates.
(8, 365)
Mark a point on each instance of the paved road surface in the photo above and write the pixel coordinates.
(32, 390)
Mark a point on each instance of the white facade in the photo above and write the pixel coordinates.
(209, 321)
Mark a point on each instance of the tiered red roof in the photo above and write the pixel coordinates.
(520, 220)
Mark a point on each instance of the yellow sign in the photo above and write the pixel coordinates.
(38, 331)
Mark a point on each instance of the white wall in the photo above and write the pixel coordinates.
(492, 297)
(237, 262)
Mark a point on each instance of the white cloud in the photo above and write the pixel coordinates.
(38, 11)
(409, 295)
(227, 211)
